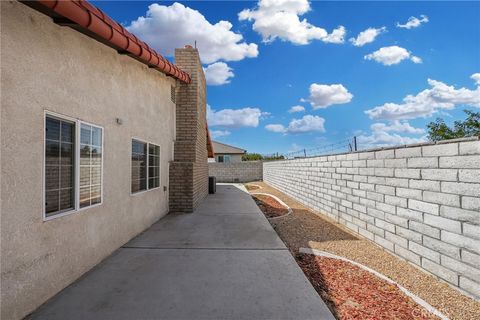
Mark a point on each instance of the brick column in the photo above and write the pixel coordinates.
(189, 169)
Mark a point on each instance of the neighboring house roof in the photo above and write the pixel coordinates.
(222, 148)
(86, 18)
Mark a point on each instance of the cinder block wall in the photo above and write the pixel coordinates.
(189, 170)
(421, 202)
(245, 171)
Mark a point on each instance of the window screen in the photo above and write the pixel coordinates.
(153, 166)
(145, 166)
(139, 166)
(59, 165)
(90, 165)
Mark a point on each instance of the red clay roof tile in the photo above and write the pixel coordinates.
(96, 21)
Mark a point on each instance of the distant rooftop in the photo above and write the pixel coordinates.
(222, 148)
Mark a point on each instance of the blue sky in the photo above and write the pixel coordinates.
(270, 58)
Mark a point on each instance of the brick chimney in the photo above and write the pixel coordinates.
(189, 169)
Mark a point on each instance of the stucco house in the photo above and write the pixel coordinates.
(101, 136)
(225, 153)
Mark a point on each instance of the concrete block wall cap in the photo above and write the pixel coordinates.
(419, 144)
(474, 138)
(414, 297)
(97, 22)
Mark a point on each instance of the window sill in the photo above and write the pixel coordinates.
(69, 212)
(134, 194)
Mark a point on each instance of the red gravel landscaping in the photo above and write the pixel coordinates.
(354, 293)
(269, 206)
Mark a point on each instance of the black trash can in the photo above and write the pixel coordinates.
(212, 185)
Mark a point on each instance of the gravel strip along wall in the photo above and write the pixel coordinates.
(244, 171)
(421, 201)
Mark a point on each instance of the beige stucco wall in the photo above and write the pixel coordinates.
(48, 67)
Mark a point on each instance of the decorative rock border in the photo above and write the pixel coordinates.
(278, 200)
(253, 185)
(414, 297)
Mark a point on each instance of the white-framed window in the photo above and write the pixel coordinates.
(224, 158)
(145, 174)
(59, 166)
(90, 166)
(73, 165)
(153, 166)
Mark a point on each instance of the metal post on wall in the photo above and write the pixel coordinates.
(355, 143)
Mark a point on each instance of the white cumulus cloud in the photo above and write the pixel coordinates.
(275, 128)
(219, 133)
(280, 19)
(382, 139)
(476, 78)
(387, 134)
(296, 109)
(336, 36)
(234, 118)
(416, 59)
(367, 36)
(413, 22)
(325, 95)
(305, 124)
(396, 126)
(168, 27)
(425, 103)
(392, 55)
(218, 73)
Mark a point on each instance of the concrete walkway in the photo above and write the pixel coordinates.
(224, 261)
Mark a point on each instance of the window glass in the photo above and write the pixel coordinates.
(220, 158)
(90, 165)
(59, 165)
(52, 126)
(153, 166)
(139, 166)
(85, 134)
(226, 158)
(145, 166)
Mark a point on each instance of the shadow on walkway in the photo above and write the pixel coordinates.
(224, 261)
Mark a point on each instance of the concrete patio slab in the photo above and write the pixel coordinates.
(224, 264)
(230, 199)
(218, 207)
(190, 284)
(210, 231)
